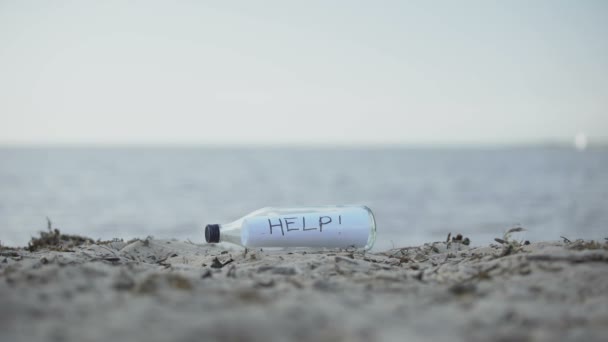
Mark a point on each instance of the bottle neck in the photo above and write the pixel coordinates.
(230, 232)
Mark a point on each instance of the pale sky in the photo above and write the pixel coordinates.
(302, 72)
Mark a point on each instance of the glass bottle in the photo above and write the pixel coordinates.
(340, 226)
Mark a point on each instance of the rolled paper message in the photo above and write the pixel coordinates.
(342, 229)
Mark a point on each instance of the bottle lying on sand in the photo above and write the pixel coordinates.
(341, 226)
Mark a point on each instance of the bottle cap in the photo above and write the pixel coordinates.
(212, 233)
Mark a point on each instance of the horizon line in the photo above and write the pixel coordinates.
(603, 143)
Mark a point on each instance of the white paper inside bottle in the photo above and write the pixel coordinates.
(335, 229)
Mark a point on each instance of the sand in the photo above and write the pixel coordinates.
(161, 290)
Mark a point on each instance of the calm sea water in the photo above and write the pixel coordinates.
(418, 195)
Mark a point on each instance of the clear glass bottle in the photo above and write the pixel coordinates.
(340, 226)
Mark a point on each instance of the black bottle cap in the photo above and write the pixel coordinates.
(212, 233)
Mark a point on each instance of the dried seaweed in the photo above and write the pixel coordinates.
(510, 245)
(580, 245)
(52, 239)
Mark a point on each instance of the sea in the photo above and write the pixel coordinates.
(417, 194)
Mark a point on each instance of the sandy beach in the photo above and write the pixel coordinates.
(67, 288)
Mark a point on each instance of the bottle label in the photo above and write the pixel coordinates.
(333, 229)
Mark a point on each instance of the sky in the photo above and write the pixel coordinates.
(303, 72)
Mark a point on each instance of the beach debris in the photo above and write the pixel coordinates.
(163, 262)
(510, 245)
(146, 241)
(580, 245)
(8, 251)
(216, 263)
(52, 239)
(107, 242)
(458, 239)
